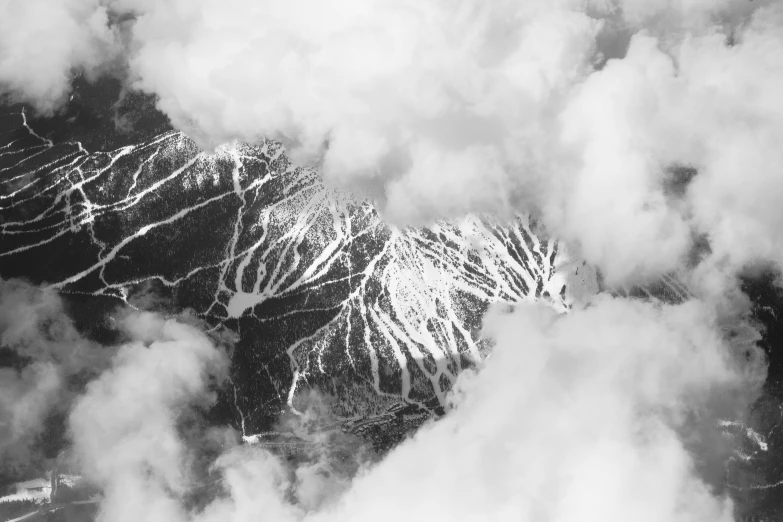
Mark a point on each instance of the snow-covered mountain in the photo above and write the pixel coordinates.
(321, 292)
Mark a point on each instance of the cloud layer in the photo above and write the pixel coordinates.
(607, 413)
(124, 427)
(438, 108)
(44, 356)
(42, 44)
(632, 129)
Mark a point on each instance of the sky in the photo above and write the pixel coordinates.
(635, 131)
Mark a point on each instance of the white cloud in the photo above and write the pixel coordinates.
(28, 396)
(603, 414)
(454, 107)
(125, 426)
(469, 106)
(49, 350)
(444, 108)
(41, 42)
(576, 417)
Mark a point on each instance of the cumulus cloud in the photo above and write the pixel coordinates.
(43, 44)
(700, 103)
(43, 353)
(438, 108)
(439, 102)
(632, 129)
(575, 417)
(606, 413)
(125, 433)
